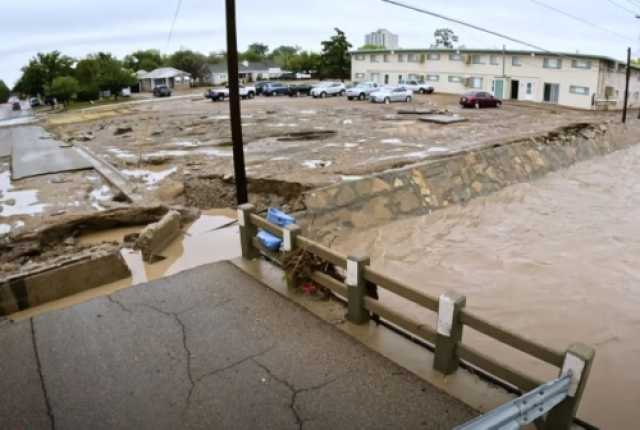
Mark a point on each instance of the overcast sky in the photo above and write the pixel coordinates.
(79, 27)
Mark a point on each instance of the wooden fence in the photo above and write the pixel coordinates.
(449, 349)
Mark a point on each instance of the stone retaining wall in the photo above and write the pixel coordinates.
(454, 179)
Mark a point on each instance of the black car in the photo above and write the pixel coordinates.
(16, 106)
(275, 89)
(300, 90)
(162, 91)
(260, 86)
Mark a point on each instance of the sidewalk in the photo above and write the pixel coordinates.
(208, 348)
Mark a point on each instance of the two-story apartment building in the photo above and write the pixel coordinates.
(576, 80)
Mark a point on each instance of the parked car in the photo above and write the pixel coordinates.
(34, 102)
(479, 99)
(16, 106)
(418, 87)
(300, 90)
(362, 91)
(162, 91)
(324, 89)
(387, 95)
(275, 89)
(260, 86)
(219, 94)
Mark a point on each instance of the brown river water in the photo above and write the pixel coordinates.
(557, 260)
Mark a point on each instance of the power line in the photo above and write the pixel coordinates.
(173, 23)
(466, 24)
(581, 20)
(624, 8)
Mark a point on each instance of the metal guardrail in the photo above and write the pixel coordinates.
(523, 410)
(449, 350)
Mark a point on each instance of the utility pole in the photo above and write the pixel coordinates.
(240, 174)
(626, 86)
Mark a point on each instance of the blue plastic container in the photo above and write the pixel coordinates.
(279, 218)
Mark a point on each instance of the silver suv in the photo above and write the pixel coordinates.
(362, 91)
(324, 89)
(418, 87)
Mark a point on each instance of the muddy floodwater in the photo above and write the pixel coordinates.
(556, 260)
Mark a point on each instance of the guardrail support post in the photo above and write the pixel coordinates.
(449, 332)
(357, 289)
(578, 359)
(247, 231)
(290, 233)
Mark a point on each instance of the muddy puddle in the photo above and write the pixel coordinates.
(211, 238)
(556, 260)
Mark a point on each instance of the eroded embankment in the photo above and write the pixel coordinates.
(454, 179)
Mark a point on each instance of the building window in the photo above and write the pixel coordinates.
(476, 59)
(400, 58)
(385, 58)
(475, 83)
(529, 88)
(581, 64)
(552, 63)
(515, 61)
(456, 79)
(374, 58)
(400, 79)
(359, 75)
(494, 60)
(581, 91)
(433, 56)
(455, 57)
(359, 57)
(412, 58)
(433, 78)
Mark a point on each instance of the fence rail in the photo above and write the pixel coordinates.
(449, 307)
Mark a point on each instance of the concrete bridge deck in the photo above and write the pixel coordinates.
(207, 348)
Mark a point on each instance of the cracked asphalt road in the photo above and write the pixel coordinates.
(209, 348)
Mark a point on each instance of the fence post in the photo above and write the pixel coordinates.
(247, 231)
(290, 234)
(357, 289)
(449, 332)
(578, 359)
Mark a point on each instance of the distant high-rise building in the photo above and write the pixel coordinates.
(383, 38)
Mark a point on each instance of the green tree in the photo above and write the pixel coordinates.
(4, 92)
(444, 38)
(305, 61)
(335, 56)
(217, 57)
(63, 88)
(41, 71)
(149, 59)
(191, 62)
(370, 47)
(255, 52)
(283, 55)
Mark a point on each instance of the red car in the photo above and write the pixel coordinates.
(479, 99)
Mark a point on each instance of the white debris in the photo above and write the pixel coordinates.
(23, 202)
(150, 177)
(437, 149)
(315, 164)
(347, 121)
(347, 178)
(308, 112)
(391, 141)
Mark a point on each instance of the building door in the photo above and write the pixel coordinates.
(386, 79)
(528, 90)
(498, 88)
(515, 87)
(551, 93)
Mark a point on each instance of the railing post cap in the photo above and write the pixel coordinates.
(459, 300)
(293, 227)
(582, 351)
(247, 207)
(361, 259)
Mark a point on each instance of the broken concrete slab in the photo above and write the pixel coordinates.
(417, 111)
(157, 236)
(38, 154)
(443, 119)
(52, 282)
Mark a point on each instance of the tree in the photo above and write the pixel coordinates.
(283, 55)
(370, 47)
(335, 56)
(4, 92)
(255, 52)
(41, 71)
(189, 61)
(306, 62)
(444, 38)
(63, 88)
(149, 59)
(217, 57)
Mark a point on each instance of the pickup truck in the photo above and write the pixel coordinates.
(362, 91)
(219, 94)
(418, 87)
